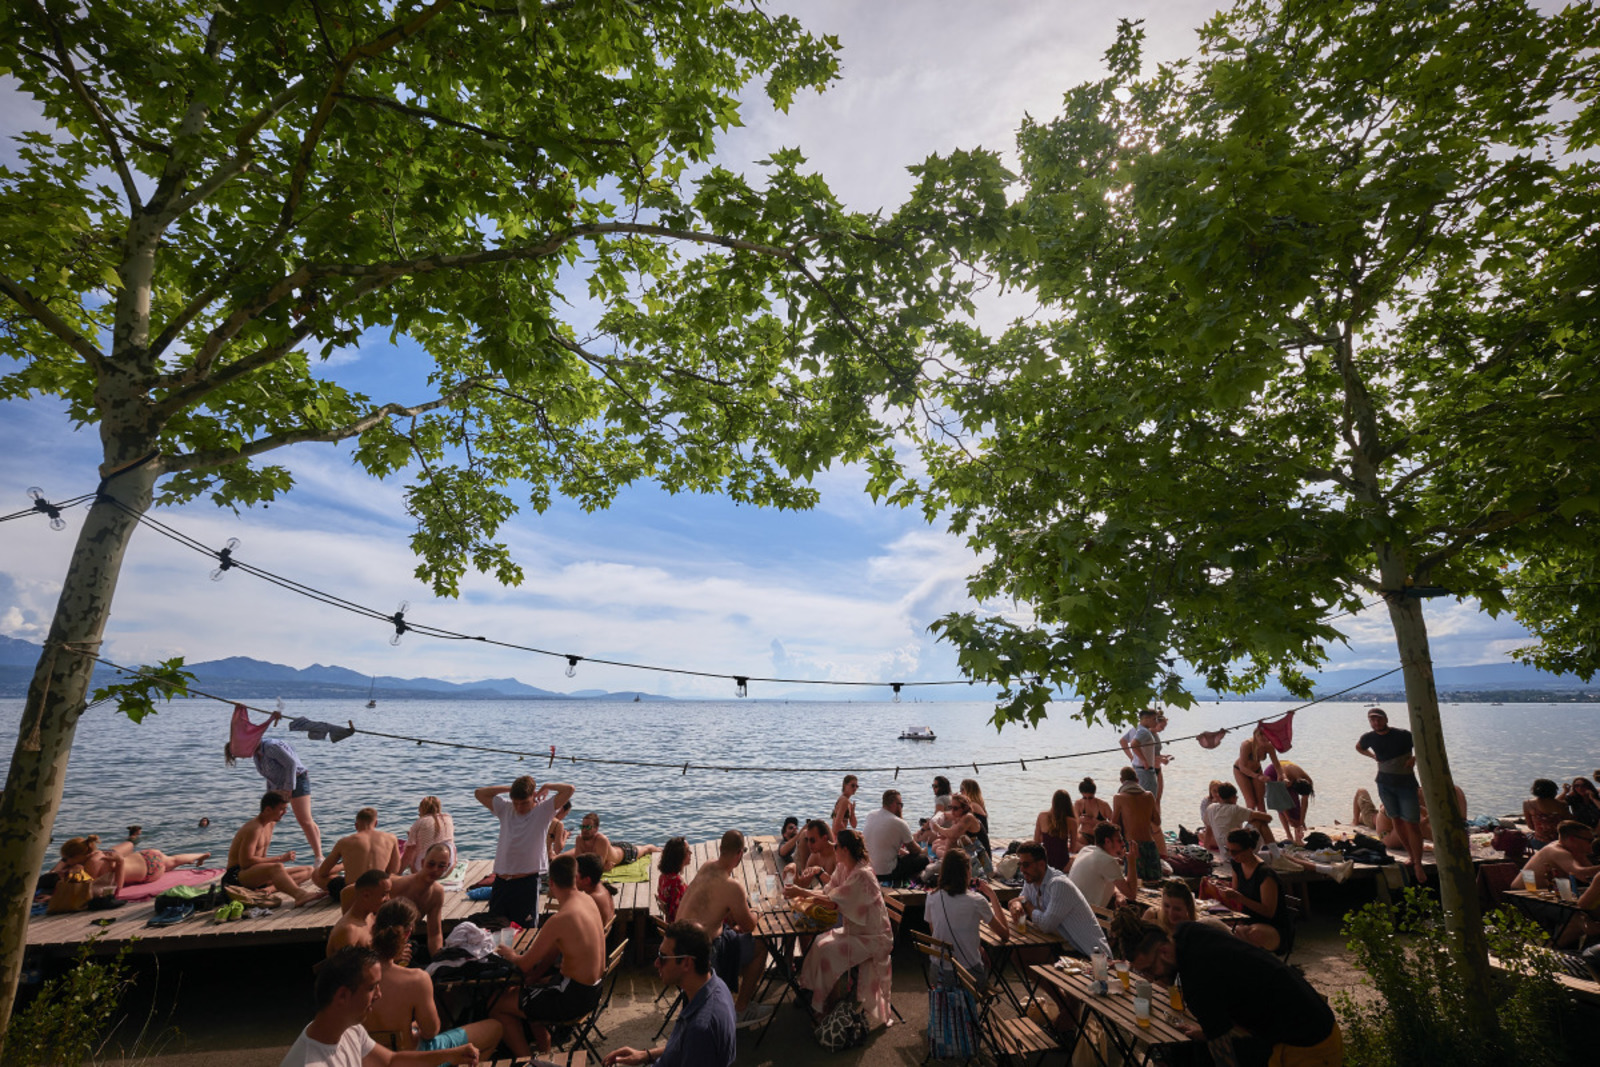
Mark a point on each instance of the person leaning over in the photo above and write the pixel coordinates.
(1231, 986)
(346, 987)
(704, 1036)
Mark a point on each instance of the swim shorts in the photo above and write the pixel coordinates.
(1400, 801)
(559, 1001)
(1278, 798)
(1148, 862)
(1147, 778)
(629, 852)
(336, 886)
(449, 1039)
(302, 785)
(517, 899)
(231, 876)
(731, 953)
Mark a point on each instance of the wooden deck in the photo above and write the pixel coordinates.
(64, 933)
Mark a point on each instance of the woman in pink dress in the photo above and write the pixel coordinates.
(863, 939)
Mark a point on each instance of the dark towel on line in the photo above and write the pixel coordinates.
(318, 731)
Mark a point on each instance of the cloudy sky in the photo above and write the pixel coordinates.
(844, 592)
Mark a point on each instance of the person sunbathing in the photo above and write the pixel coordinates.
(123, 864)
(594, 843)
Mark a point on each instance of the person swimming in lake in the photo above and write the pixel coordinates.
(124, 864)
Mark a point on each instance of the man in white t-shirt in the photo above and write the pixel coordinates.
(1098, 870)
(522, 854)
(1227, 815)
(889, 841)
(346, 986)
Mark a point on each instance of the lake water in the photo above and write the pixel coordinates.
(168, 772)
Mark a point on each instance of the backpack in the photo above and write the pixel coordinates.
(952, 1024)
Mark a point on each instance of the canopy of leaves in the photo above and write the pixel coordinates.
(225, 195)
(1323, 296)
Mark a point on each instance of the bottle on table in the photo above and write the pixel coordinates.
(1098, 962)
(1175, 993)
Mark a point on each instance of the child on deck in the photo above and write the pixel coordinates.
(670, 885)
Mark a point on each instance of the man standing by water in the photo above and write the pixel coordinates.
(1133, 811)
(521, 855)
(1139, 744)
(1397, 784)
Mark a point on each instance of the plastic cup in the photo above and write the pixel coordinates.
(1122, 974)
(1530, 881)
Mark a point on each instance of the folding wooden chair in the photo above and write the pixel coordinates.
(1018, 1038)
(1297, 911)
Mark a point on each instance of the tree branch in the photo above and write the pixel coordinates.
(1466, 535)
(51, 321)
(87, 97)
(319, 121)
(222, 457)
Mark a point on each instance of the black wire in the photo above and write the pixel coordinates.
(61, 506)
(685, 766)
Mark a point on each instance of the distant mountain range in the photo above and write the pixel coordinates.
(253, 679)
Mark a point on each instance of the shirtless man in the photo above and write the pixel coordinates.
(422, 889)
(820, 858)
(716, 904)
(594, 843)
(1566, 856)
(250, 866)
(405, 1015)
(1133, 811)
(369, 848)
(591, 883)
(355, 925)
(573, 935)
(844, 809)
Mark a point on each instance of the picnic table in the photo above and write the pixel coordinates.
(1545, 907)
(1002, 948)
(1114, 1015)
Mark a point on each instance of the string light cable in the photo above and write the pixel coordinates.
(685, 766)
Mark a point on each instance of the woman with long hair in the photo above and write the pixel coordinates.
(124, 864)
(1178, 906)
(670, 886)
(433, 827)
(1583, 801)
(1257, 892)
(1090, 810)
(863, 940)
(1057, 830)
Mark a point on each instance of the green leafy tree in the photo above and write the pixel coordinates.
(222, 194)
(1323, 334)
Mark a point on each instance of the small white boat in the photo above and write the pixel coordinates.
(917, 733)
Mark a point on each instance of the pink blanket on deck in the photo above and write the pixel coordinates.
(181, 876)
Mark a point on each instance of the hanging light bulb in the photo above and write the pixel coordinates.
(897, 692)
(741, 686)
(225, 559)
(399, 620)
(41, 504)
(572, 666)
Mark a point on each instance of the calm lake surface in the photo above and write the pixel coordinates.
(168, 772)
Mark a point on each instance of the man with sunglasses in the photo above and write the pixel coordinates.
(704, 1036)
(423, 890)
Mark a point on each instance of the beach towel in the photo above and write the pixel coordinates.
(181, 876)
(637, 871)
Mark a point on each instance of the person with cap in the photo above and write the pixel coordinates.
(1398, 789)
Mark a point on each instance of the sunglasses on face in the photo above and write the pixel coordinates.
(662, 957)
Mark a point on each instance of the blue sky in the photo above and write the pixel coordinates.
(843, 592)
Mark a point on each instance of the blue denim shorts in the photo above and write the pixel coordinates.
(302, 785)
(1400, 801)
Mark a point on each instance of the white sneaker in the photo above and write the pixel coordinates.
(753, 1016)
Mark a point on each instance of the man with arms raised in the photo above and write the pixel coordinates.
(355, 925)
(423, 890)
(347, 986)
(716, 904)
(704, 1036)
(594, 843)
(571, 939)
(369, 848)
(591, 883)
(1398, 790)
(251, 867)
(521, 856)
(889, 841)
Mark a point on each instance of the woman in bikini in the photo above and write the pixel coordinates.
(1090, 810)
(124, 865)
(1247, 770)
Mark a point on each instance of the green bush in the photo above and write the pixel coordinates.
(72, 1016)
(1423, 1016)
